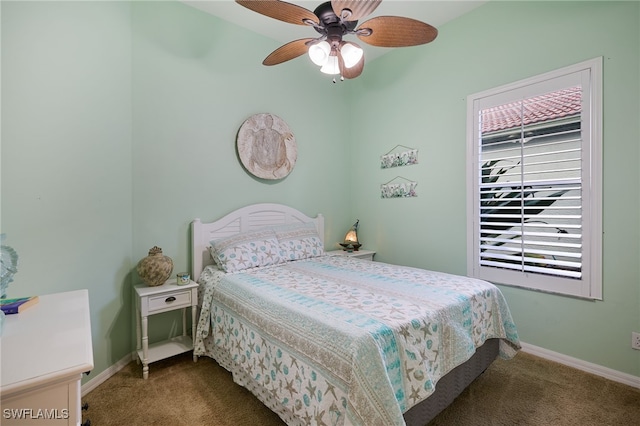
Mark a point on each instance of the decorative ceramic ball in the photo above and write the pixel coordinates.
(156, 268)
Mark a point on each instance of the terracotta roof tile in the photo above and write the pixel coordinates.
(554, 105)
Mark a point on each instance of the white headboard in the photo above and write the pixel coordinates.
(244, 219)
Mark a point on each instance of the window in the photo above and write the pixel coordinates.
(534, 184)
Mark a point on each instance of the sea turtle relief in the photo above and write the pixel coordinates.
(266, 146)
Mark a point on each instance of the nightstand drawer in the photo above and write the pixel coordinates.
(180, 299)
(360, 254)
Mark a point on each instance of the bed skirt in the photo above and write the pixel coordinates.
(448, 388)
(451, 385)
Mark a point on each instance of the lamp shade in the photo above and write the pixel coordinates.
(351, 242)
(319, 53)
(351, 54)
(331, 66)
(352, 235)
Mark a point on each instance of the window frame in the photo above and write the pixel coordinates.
(589, 286)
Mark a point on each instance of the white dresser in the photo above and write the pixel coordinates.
(44, 352)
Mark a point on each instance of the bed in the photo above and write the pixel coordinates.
(336, 340)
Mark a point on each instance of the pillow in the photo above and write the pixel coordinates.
(246, 250)
(299, 241)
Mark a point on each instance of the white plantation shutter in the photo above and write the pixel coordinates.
(534, 207)
(531, 215)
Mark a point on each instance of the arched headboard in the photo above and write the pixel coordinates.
(244, 219)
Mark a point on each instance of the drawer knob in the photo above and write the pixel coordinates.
(170, 299)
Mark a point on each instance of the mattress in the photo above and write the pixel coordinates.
(341, 340)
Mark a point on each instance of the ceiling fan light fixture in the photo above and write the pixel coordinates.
(331, 66)
(334, 20)
(351, 54)
(319, 53)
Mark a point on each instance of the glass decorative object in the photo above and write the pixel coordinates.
(9, 263)
(8, 268)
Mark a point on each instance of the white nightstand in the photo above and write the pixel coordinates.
(155, 300)
(360, 254)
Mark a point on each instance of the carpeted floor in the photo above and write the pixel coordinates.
(524, 391)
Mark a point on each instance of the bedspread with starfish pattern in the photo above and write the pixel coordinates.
(335, 340)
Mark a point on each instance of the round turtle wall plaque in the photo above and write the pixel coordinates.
(266, 146)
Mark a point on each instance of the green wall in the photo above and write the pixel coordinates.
(119, 122)
(195, 80)
(66, 158)
(118, 128)
(422, 95)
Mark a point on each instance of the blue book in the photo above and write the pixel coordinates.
(15, 306)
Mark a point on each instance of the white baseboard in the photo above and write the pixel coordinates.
(598, 370)
(104, 375)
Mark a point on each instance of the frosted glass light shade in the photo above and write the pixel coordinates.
(331, 66)
(319, 53)
(351, 54)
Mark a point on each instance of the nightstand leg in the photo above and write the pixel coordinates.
(145, 349)
(193, 332)
(138, 341)
(184, 321)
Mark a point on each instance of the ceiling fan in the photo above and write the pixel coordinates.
(333, 20)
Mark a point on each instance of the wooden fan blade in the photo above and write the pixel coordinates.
(280, 10)
(352, 72)
(396, 31)
(286, 52)
(359, 8)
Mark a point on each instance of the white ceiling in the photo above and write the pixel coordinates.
(434, 13)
